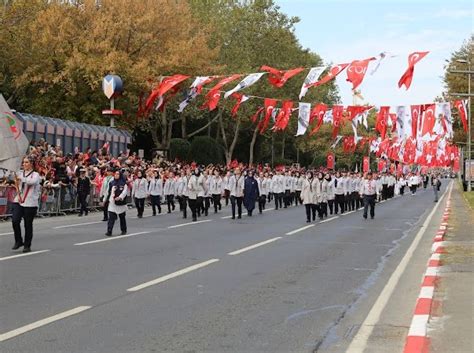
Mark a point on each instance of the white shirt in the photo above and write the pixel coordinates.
(236, 185)
(278, 184)
(170, 187)
(155, 187)
(369, 187)
(30, 189)
(139, 188)
(215, 185)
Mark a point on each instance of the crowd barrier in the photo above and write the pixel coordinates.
(52, 201)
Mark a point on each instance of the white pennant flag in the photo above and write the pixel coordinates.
(193, 92)
(443, 120)
(375, 144)
(338, 138)
(303, 118)
(246, 82)
(312, 77)
(403, 121)
(380, 57)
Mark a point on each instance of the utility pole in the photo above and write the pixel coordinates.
(469, 95)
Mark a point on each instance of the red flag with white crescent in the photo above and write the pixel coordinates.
(381, 165)
(214, 95)
(365, 164)
(381, 121)
(407, 77)
(330, 161)
(240, 99)
(283, 117)
(461, 106)
(429, 119)
(269, 104)
(257, 114)
(337, 111)
(278, 77)
(162, 88)
(317, 113)
(415, 116)
(333, 72)
(356, 71)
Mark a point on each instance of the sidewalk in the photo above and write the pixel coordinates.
(453, 330)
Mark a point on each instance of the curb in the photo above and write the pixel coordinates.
(417, 340)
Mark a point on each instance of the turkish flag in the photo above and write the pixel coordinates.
(355, 110)
(349, 145)
(317, 113)
(240, 99)
(270, 104)
(277, 77)
(256, 115)
(162, 88)
(337, 111)
(330, 161)
(356, 71)
(429, 119)
(214, 95)
(381, 121)
(283, 117)
(461, 106)
(365, 164)
(381, 165)
(333, 72)
(407, 77)
(415, 118)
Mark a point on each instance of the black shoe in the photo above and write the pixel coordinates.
(123, 233)
(154, 214)
(17, 246)
(79, 215)
(239, 217)
(365, 217)
(233, 217)
(308, 221)
(371, 217)
(105, 220)
(194, 219)
(169, 211)
(26, 249)
(108, 234)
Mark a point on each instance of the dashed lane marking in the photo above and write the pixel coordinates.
(77, 225)
(111, 238)
(300, 229)
(22, 255)
(189, 224)
(251, 247)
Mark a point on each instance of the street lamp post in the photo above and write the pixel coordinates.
(469, 155)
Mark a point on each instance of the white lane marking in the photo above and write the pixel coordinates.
(226, 217)
(76, 225)
(329, 219)
(359, 341)
(300, 229)
(383, 201)
(418, 325)
(346, 213)
(111, 238)
(426, 292)
(268, 209)
(172, 275)
(189, 224)
(19, 331)
(21, 255)
(251, 247)
(6, 233)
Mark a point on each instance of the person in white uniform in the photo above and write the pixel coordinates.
(117, 195)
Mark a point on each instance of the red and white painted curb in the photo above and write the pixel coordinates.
(417, 340)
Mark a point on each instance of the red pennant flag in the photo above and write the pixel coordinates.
(429, 119)
(214, 95)
(337, 111)
(162, 88)
(393, 118)
(461, 106)
(283, 117)
(407, 77)
(381, 121)
(415, 119)
(330, 161)
(277, 77)
(240, 99)
(365, 164)
(355, 110)
(335, 70)
(381, 165)
(317, 113)
(257, 114)
(270, 104)
(349, 144)
(356, 71)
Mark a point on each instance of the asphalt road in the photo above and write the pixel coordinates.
(260, 284)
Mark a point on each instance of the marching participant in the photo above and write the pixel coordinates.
(104, 191)
(226, 187)
(83, 191)
(25, 205)
(288, 181)
(299, 179)
(215, 189)
(369, 191)
(117, 208)
(250, 192)
(316, 186)
(264, 184)
(169, 190)
(207, 195)
(330, 192)
(192, 194)
(323, 196)
(201, 191)
(339, 192)
(139, 193)
(278, 188)
(155, 190)
(180, 187)
(307, 195)
(236, 184)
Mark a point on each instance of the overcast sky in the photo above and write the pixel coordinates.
(341, 31)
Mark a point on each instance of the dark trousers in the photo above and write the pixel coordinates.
(262, 199)
(384, 191)
(199, 205)
(278, 199)
(170, 202)
(83, 203)
(140, 205)
(369, 200)
(207, 205)
(354, 200)
(184, 206)
(180, 202)
(402, 190)
(155, 202)
(413, 189)
(193, 205)
(347, 202)
(27, 214)
(298, 197)
(315, 209)
(308, 208)
(113, 217)
(216, 198)
(339, 203)
(106, 212)
(226, 196)
(287, 198)
(331, 206)
(323, 209)
(236, 200)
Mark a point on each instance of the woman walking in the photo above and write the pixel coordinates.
(307, 195)
(139, 192)
(117, 203)
(250, 193)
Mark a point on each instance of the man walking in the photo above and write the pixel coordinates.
(369, 192)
